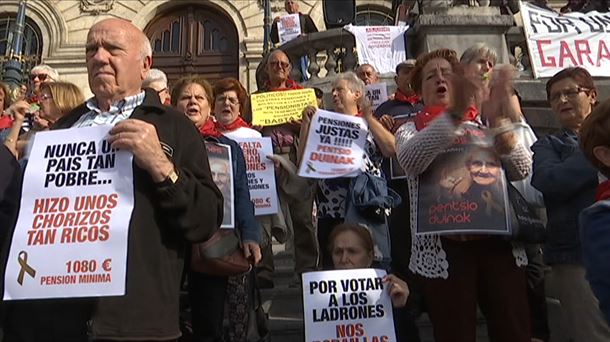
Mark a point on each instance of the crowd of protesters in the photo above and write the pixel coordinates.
(447, 276)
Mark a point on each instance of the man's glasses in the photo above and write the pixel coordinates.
(41, 77)
(162, 90)
(279, 64)
(224, 98)
(568, 93)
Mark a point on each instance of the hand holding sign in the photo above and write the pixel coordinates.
(141, 139)
(399, 291)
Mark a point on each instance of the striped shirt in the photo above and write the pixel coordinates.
(119, 111)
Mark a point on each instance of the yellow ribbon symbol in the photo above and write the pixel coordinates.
(23, 262)
(491, 204)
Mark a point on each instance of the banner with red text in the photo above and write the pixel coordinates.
(347, 305)
(464, 188)
(289, 27)
(334, 147)
(559, 41)
(71, 235)
(380, 46)
(260, 173)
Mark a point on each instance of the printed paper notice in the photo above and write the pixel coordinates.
(377, 93)
(279, 107)
(347, 305)
(335, 146)
(289, 27)
(71, 234)
(260, 173)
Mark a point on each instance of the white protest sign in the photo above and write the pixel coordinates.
(260, 174)
(334, 147)
(559, 41)
(289, 27)
(71, 234)
(380, 46)
(347, 304)
(377, 93)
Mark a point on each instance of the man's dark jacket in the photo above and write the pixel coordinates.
(164, 220)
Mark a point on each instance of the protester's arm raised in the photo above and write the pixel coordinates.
(384, 139)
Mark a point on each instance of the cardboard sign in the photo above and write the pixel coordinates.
(335, 146)
(377, 93)
(289, 27)
(260, 173)
(279, 107)
(71, 234)
(464, 189)
(556, 41)
(347, 305)
(221, 165)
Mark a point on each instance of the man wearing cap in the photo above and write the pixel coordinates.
(402, 106)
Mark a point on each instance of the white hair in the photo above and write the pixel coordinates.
(477, 51)
(146, 48)
(47, 69)
(155, 76)
(353, 82)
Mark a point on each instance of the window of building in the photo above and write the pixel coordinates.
(31, 47)
(372, 15)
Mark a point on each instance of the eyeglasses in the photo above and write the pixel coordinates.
(279, 64)
(41, 77)
(568, 93)
(160, 91)
(224, 98)
(478, 164)
(45, 97)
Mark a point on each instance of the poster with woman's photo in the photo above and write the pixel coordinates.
(464, 189)
(221, 166)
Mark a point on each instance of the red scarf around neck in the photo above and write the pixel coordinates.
(411, 99)
(603, 191)
(238, 123)
(290, 85)
(426, 116)
(208, 129)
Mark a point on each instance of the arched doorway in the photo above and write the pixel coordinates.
(194, 39)
(31, 48)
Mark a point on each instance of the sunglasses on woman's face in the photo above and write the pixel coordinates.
(41, 77)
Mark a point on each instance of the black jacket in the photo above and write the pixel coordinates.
(164, 219)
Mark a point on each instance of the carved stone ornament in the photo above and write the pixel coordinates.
(95, 7)
(277, 6)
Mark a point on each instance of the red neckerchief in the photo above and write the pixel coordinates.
(6, 122)
(603, 191)
(290, 85)
(423, 118)
(208, 129)
(411, 99)
(238, 123)
(33, 99)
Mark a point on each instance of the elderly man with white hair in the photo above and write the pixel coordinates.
(157, 80)
(40, 74)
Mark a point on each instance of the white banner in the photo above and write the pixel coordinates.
(289, 27)
(558, 41)
(381, 46)
(260, 174)
(347, 305)
(71, 234)
(334, 147)
(377, 93)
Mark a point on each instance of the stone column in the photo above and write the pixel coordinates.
(458, 28)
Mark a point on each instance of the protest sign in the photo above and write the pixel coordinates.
(335, 146)
(344, 305)
(221, 165)
(260, 173)
(464, 188)
(279, 107)
(559, 41)
(71, 235)
(380, 46)
(377, 93)
(289, 27)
